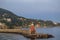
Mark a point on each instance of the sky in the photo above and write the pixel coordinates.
(37, 9)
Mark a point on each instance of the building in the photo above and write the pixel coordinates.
(8, 19)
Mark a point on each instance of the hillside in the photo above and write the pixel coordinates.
(12, 20)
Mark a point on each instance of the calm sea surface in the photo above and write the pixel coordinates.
(55, 31)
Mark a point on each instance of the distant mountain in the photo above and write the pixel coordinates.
(11, 20)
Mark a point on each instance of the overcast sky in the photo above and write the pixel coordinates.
(40, 9)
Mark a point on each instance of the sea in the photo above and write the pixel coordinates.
(55, 31)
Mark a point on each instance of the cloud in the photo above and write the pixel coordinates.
(32, 5)
(26, 1)
(36, 5)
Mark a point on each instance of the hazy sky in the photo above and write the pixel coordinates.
(40, 9)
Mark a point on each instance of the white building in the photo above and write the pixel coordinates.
(8, 19)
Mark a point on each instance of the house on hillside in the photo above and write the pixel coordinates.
(9, 19)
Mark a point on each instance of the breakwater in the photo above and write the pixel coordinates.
(26, 33)
(20, 31)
